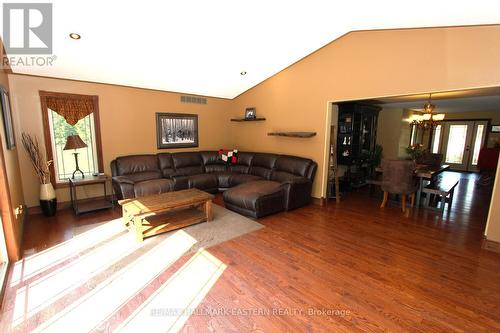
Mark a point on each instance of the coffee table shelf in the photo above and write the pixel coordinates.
(166, 222)
(156, 214)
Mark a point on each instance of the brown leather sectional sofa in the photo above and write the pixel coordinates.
(258, 184)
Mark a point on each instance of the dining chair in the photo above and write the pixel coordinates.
(398, 178)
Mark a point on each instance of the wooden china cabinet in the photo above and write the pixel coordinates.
(356, 139)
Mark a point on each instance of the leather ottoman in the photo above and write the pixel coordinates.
(256, 198)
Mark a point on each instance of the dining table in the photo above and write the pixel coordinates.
(423, 173)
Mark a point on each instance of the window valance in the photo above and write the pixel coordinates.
(71, 107)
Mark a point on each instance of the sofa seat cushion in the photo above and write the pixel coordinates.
(153, 186)
(256, 198)
(230, 179)
(204, 181)
(240, 178)
(224, 179)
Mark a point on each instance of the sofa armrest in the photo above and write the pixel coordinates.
(297, 192)
(123, 187)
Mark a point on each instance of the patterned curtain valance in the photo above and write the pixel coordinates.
(72, 108)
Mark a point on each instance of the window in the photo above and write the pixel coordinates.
(413, 137)
(455, 151)
(65, 115)
(436, 140)
(478, 143)
(64, 160)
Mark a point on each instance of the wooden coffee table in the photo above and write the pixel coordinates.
(156, 214)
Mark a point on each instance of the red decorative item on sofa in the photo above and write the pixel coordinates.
(229, 156)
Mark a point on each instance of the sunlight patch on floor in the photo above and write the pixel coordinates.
(39, 262)
(44, 291)
(168, 309)
(97, 305)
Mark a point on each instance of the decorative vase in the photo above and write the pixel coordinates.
(48, 200)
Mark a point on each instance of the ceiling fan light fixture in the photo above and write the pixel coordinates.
(438, 117)
(427, 119)
(428, 107)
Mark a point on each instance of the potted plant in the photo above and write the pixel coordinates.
(48, 200)
(415, 151)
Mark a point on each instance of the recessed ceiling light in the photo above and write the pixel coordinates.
(74, 35)
(243, 73)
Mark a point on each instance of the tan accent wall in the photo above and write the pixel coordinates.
(389, 131)
(128, 124)
(362, 65)
(12, 166)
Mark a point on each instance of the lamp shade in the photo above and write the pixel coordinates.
(74, 142)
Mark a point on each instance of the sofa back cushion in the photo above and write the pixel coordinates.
(263, 164)
(243, 163)
(212, 161)
(188, 163)
(166, 164)
(290, 167)
(138, 167)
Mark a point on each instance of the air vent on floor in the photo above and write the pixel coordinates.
(193, 99)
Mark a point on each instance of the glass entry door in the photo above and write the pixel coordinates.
(462, 141)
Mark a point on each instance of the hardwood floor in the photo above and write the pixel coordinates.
(340, 268)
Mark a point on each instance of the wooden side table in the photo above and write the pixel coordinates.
(91, 205)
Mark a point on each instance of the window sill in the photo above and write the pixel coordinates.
(62, 184)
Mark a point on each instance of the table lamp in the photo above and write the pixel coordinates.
(75, 142)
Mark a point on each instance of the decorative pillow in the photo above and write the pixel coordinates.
(229, 156)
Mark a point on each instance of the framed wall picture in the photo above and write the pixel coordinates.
(7, 119)
(495, 128)
(250, 113)
(176, 130)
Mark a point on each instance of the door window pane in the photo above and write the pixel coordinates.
(437, 138)
(478, 142)
(413, 138)
(64, 160)
(456, 144)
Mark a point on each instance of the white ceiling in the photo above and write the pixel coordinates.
(200, 47)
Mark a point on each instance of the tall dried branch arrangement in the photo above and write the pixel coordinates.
(38, 160)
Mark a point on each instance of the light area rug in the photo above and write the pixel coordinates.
(225, 226)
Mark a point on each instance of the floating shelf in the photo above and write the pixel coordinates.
(243, 119)
(293, 134)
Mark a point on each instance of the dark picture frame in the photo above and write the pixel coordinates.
(176, 130)
(10, 139)
(495, 128)
(250, 113)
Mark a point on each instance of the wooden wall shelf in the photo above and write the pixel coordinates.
(243, 119)
(293, 134)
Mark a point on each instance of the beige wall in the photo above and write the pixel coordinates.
(389, 130)
(128, 124)
(362, 65)
(12, 165)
